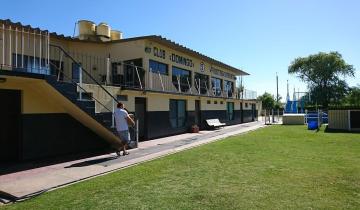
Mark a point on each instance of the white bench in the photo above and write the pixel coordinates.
(214, 123)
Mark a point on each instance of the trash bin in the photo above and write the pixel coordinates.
(312, 125)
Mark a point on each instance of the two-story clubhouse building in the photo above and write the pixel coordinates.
(58, 93)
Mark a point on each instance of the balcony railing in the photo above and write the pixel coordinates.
(249, 95)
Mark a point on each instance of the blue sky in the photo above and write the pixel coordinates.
(260, 37)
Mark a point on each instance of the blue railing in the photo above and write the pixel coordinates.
(314, 116)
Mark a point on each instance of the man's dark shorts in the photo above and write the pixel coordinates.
(124, 136)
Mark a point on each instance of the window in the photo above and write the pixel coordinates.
(181, 78)
(134, 74)
(177, 113)
(215, 102)
(158, 67)
(29, 64)
(229, 88)
(201, 82)
(246, 105)
(122, 97)
(230, 110)
(54, 69)
(75, 72)
(208, 102)
(216, 85)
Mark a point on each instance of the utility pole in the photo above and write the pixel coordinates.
(277, 95)
(277, 88)
(287, 93)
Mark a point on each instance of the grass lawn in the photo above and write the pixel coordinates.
(278, 167)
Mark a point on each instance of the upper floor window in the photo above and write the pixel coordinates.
(216, 85)
(201, 82)
(158, 67)
(229, 88)
(181, 78)
(28, 63)
(75, 72)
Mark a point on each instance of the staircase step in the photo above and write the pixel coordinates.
(68, 87)
(70, 91)
(86, 103)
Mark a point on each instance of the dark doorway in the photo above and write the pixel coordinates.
(198, 113)
(10, 110)
(241, 113)
(140, 113)
(355, 119)
(253, 112)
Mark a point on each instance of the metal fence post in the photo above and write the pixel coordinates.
(137, 132)
(113, 114)
(80, 83)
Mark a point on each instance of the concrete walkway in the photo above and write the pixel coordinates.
(25, 184)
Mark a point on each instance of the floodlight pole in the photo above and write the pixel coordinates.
(277, 88)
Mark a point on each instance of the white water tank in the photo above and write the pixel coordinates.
(103, 31)
(115, 35)
(86, 29)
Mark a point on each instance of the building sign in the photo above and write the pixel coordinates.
(202, 67)
(160, 53)
(181, 60)
(222, 73)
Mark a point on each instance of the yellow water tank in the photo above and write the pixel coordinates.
(86, 29)
(103, 30)
(115, 35)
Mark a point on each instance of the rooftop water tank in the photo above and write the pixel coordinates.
(103, 31)
(115, 35)
(86, 29)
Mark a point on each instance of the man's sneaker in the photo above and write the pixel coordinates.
(118, 153)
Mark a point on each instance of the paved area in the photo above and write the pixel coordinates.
(28, 183)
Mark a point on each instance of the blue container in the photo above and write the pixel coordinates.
(312, 125)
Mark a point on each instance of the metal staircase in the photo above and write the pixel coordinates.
(74, 92)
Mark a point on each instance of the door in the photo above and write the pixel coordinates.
(230, 110)
(140, 113)
(197, 113)
(10, 110)
(241, 112)
(253, 112)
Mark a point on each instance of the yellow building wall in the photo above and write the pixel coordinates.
(196, 62)
(127, 50)
(33, 99)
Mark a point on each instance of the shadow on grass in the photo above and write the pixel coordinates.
(329, 130)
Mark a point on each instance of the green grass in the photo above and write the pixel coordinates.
(278, 167)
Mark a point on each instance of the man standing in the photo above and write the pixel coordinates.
(123, 120)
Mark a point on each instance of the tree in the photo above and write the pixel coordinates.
(267, 100)
(325, 75)
(353, 98)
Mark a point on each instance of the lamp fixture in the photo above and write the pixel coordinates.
(148, 49)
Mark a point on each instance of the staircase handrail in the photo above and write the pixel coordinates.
(74, 82)
(86, 72)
